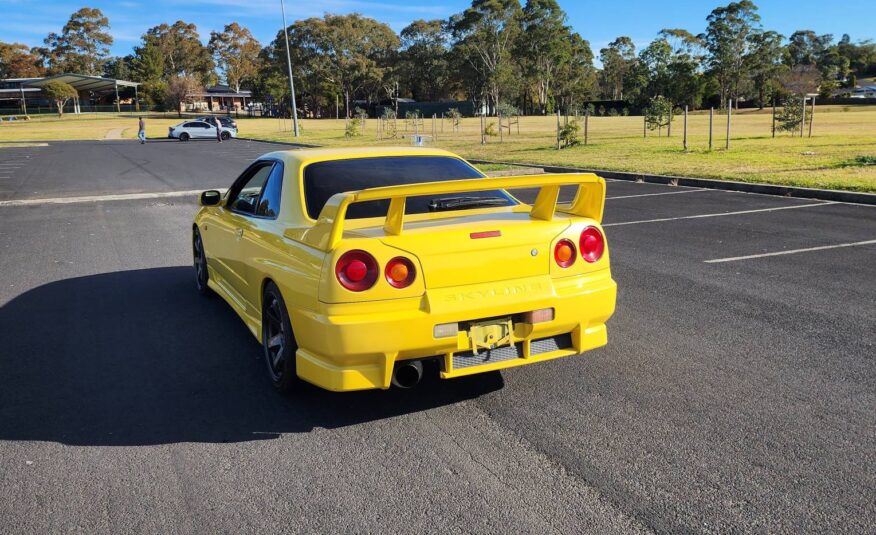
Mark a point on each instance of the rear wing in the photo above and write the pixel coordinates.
(588, 202)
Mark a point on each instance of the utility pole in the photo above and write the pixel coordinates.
(289, 64)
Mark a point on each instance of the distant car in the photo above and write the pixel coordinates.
(198, 129)
(358, 268)
(227, 122)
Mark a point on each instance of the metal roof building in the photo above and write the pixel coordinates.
(88, 88)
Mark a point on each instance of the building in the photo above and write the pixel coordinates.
(218, 98)
(95, 93)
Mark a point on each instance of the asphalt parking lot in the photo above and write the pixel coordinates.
(737, 392)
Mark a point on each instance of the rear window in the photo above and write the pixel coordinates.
(324, 179)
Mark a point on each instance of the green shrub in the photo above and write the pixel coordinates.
(490, 129)
(354, 127)
(569, 134)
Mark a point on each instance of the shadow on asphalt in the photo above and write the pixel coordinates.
(138, 357)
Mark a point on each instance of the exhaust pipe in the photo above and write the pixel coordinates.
(407, 374)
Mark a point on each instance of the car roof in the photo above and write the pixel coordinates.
(302, 157)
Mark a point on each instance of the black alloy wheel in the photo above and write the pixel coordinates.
(184, 137)
(278, 341)
(200, 263)
(225, 136)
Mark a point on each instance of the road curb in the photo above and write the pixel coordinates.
(729, 185)
(286, 143)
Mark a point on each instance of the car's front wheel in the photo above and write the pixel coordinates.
(278, 342)
(200, 263)
(226, 136)
(184, 137)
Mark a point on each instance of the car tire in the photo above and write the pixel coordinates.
(200, 263)
(225, 136)
(184, 137)
(278, 341)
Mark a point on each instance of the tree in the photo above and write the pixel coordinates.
(485, 34)
(658, 113)
(147, 67)
(178, 90)
(764, 63)
(423, 60)
(237, 54)
(575, 78)
(182, 51)
(119, 68)
(618, 58)
(727, 38)
(544, 46)
(791, 114)
(83, 45)
(59, 92)
(19, 61)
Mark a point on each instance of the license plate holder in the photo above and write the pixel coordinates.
(487, 335)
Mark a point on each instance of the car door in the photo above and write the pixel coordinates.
(228, 231)
(205, 130)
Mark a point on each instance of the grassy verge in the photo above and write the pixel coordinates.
(839, 155)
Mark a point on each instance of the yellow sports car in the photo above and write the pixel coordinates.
(355, 267)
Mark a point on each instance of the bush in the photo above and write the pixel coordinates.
(625, 112)
(354, 127)
(613, 113)
(569, 135)
(507, 110)
(657, 113)
(601, 110)
(791, 116)
(490, 129)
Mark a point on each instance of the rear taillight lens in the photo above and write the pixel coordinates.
(356, 270)
(400, 272)
(592, 244)
(564, 253)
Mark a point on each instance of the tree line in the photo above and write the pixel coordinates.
(499, 54)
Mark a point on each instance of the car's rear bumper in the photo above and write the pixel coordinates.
(355, 346)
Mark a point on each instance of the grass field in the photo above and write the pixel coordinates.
(839, 155)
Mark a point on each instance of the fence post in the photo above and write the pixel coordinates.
(558, 129)
(501, 133)
(685, 128)
(774, 116)
(586, 125)
(434, 131)
(644, 126)
(803, 120)
(669, 127)
(729, 118)
(483, 135)
(811, 115)
(711, 121)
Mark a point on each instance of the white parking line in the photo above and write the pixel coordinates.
(99, 198)
(664, 193)
(698, 216)
(791, 251)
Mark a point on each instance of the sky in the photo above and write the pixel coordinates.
(29, 21)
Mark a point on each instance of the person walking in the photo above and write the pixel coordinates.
(141, 131)
(218, 129)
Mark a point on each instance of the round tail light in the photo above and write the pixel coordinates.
(564, 253)
(356, 270)
(592, 244)
(400, 272)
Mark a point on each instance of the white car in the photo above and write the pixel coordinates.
(198, 129)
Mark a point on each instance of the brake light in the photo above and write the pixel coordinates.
(356, 270)
(592, 244)
(564, 253)
(400, 272)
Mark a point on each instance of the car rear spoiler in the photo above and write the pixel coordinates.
(588, 202)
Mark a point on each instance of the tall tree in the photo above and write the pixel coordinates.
(182, 51)
(764, 63)
(59, 92)
(83, 44)
(485, 34)
(19, 61)
(237, 54)
(727, 38)
(618, 58)
(147, 67)
(423, 59)
(575, 78)
(544, 47)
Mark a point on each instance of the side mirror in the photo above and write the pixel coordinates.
(211, 197)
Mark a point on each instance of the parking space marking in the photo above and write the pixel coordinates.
(699, 216)
(791, 251)
(699, 190)
(100, 198)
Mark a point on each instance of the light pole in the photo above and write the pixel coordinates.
(289, 64)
